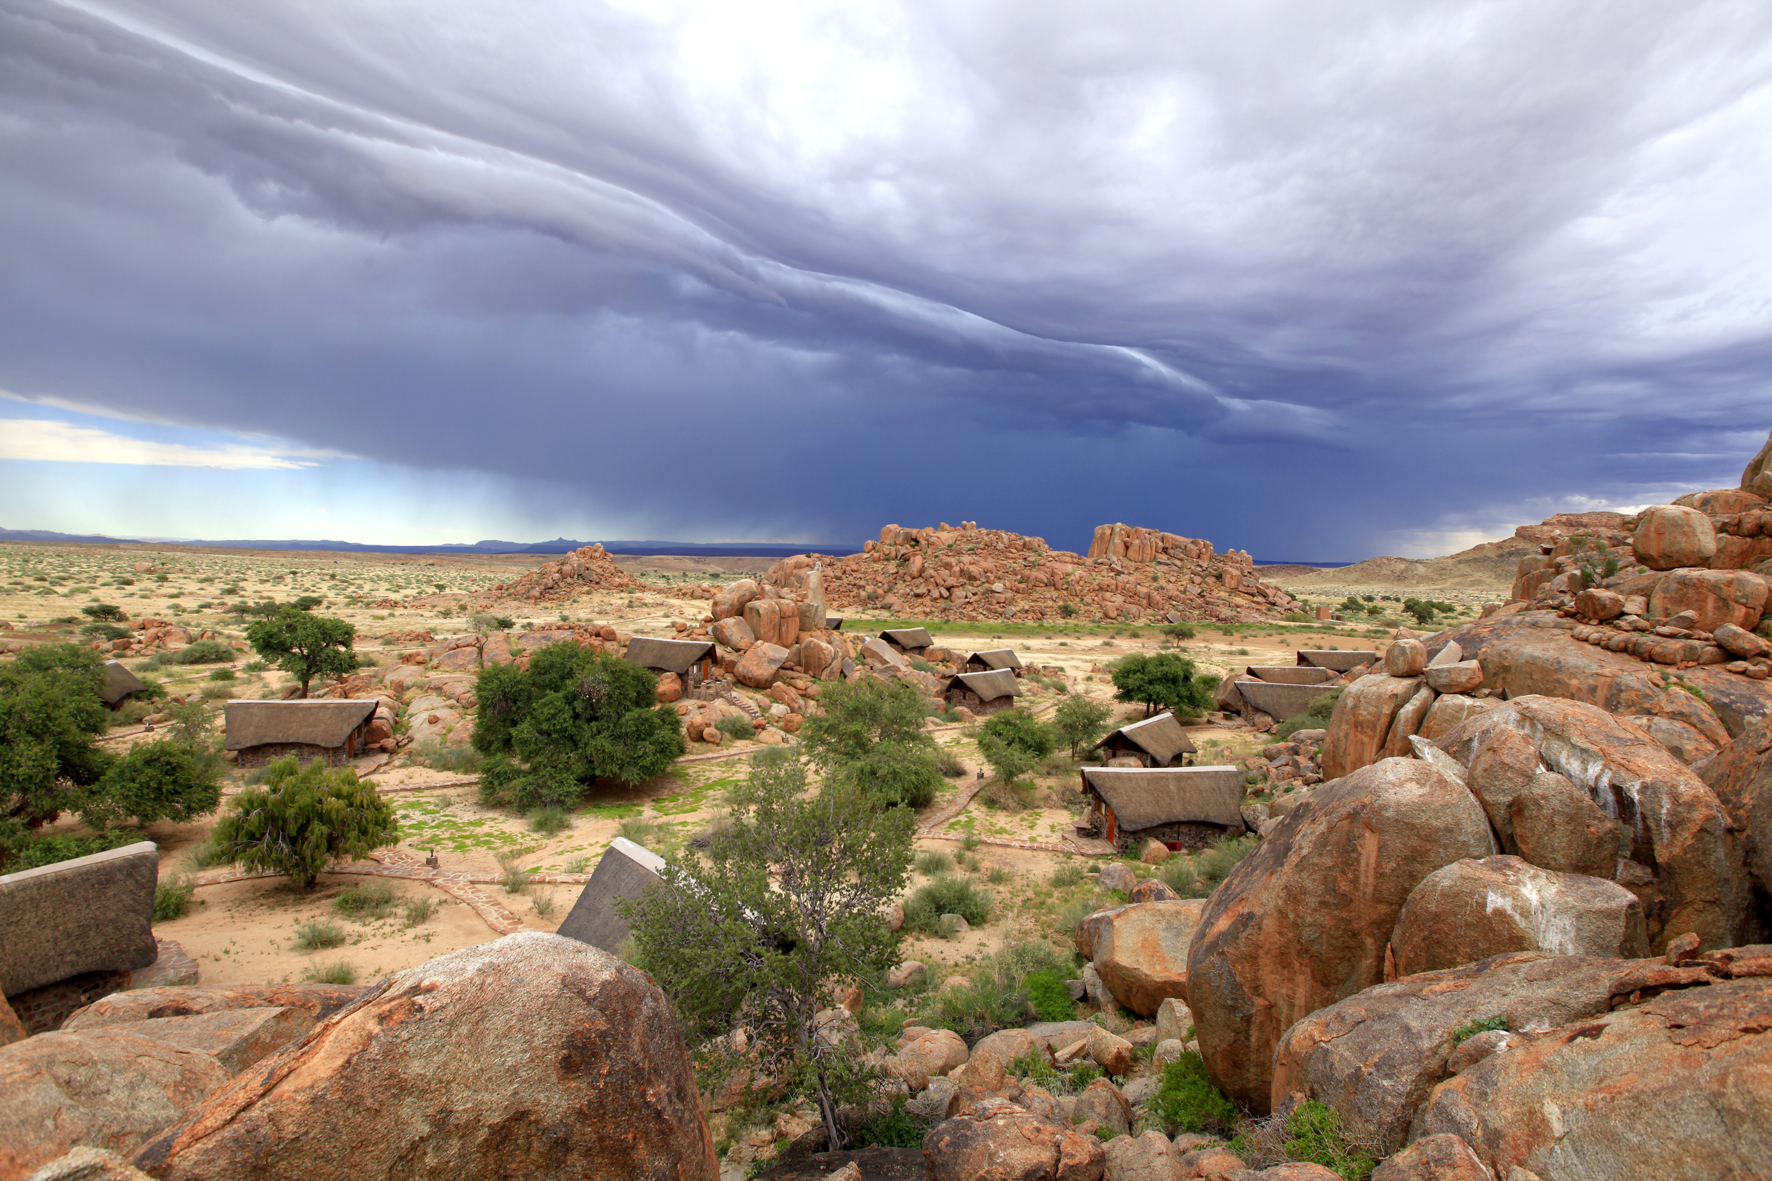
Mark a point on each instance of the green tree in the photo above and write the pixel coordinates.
(871, 736)
(573, 717)
(50, 711)
(1079, 719)
(303, 818)
(108, 612)
(164, 780)
(786, 908)
(1166, 680)
(304, 645)
(1014, 742)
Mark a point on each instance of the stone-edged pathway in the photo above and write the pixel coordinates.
(392, 863)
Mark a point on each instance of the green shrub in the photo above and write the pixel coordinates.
(1014, 742)
(1049, 996)
(1186, 1099)
(1296, 617)
(105, 612)
(1216, 863)
(549, 821)
(1471, 1029)
(515, 879)
(735, 727)
(463, 760)
(1314, 1136)
(894, 1129)
(933, 862)
(949, 764)
(302, 819)
(1083, 1074)
(367, 901)
(35, 852)
(162, 780)
(543, 905)
(172, 899)
(314, 935)
(103, 631)
(1068, 874)
(1182, 877)
(333, 973)
(204, 652)
(992, 996)
(1037, 1068)
(1179, 631)
(945, 895)
(418, 909)
(225, 673)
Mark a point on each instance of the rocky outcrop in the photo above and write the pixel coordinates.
(319, 1001)
(1673, 826)
(973, 573)
(1677, 1088)
(1141, 951)
(1471, 910)
(104, 1088)
(235, 1038)
(1363, 721)
(531, 1055)
(1741, 777)
(1668, 536)
(1304, 920)
(996, 1138)
(1757, 476)
(587, 569)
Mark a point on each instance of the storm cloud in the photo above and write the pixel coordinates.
(1315, 281)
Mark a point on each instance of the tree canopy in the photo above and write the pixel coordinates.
(1014, 742)
(1079, 719)
(50, 711)
(572, 717)
(871, 736)
(1164, 680)
(787, 905)
(304, 645)
(301, 819)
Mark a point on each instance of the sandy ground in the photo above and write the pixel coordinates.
(243, 932)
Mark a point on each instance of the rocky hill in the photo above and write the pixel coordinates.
(1130, 574)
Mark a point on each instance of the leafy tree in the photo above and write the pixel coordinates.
(303, 645)
(573, 717)
(107, 612)
(1167, 680)
(1079, 719)
(50, 711)
(785, 909)
(871, 735)
(164, 780)
(103, 631)
(1014, 742)
(303, 818)
(1179, 631)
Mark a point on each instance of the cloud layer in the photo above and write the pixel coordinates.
(1313, 282)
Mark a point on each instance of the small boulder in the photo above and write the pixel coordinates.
(1174, 1020)
(909, 974)
(1362, 720)
(1149, 1157)
(1102, 1102)
(670, 688)
(1153, 852)
(1600, 604)
(1116, 875)
(1741, 643)
(1110, 1052)
(1444, 1157)
(929, 1056)
(1405, 658)
(1141, 951)
(1154, 890)
(757, 668)
(1669, 536)
(1461, 677)
(997, 1138)
(733, 632)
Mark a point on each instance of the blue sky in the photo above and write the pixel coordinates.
(1315, 281)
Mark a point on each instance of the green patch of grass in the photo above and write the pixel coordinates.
(315, 935)
(893, 1129)
(934, 862)
(172, 899)
(1049, 996)
(367, 901)
(337, 972)
(1315, 1136)
(992, 995)
(1035, 1068)
(1186, 1099)
(735, 728)
(418, 910)
(945, 895)
(1471, 1029)
(641, 831)
(548, 821)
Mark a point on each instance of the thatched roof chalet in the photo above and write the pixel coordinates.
(624, 871)
(989, 686)
(1161, 738)
(908, 639)
(119, 683)
(327, 724)
(670, 656)
(994, 658)
(1144, 797)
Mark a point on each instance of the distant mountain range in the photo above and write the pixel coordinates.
(560, 545)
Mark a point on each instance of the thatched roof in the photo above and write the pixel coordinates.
(1290, 674)
(624, 871)
(1143, 797)
(909, 638)
(1335, 659)
(313, 723)
(119, 683)
(1280, 702)
(671, 656)
(999, 682)
(996, 658)
(1160, 737)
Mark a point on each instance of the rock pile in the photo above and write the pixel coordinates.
(983, 574)
(156, 635)
(587, 569)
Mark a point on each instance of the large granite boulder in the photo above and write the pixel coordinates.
(1716, 598)
(1675, 824)
(1669, 536)
(89, 914)
(1678, 1088)
(319, 1001)
(1140, 951)
(236, 1038)
(105, 1088)
(1471, 910)
(1558, 826)
(1376, 1056)
(89, 1164)
(1362, 721)
(1304, 920)
(1741, 776)
(532, 1055)
(1757, 476)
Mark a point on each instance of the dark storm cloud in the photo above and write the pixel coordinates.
(1297, 279)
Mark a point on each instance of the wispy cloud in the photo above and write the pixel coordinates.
(60, 442)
